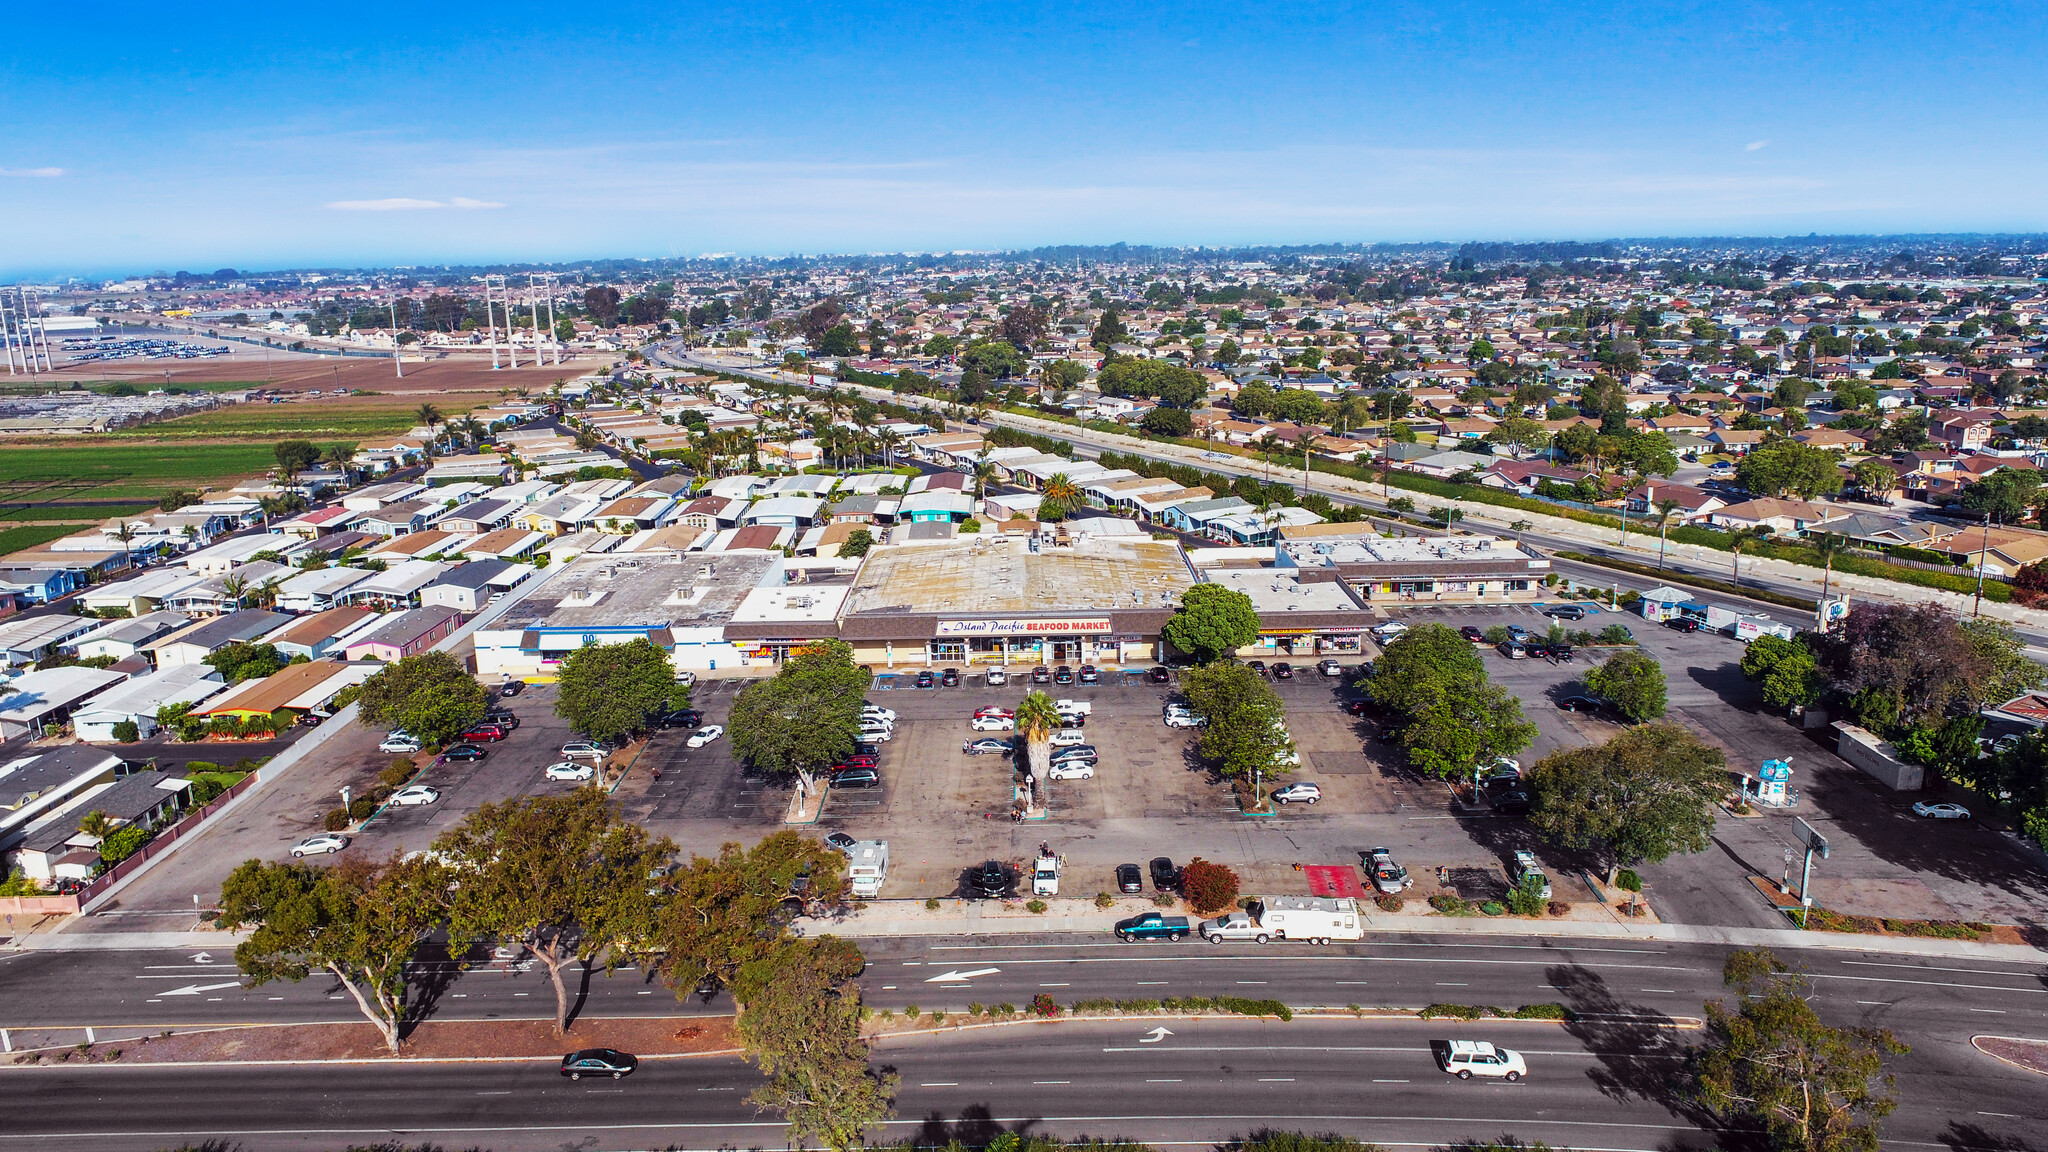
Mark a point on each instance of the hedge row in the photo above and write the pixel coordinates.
(1550, 1011)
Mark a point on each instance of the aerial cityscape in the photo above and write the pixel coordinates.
(1463, 579)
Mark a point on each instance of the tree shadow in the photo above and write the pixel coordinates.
(428, 980)
(1640, 1055)
(1961, 1137)
(579, 997)
(975, 1127)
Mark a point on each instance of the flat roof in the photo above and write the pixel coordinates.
(1275, 591)
(994, 573)
(1406, 550)
(642, 589)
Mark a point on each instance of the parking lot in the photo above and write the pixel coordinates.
(943, 810)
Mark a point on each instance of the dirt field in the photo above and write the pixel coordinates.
(298, 371)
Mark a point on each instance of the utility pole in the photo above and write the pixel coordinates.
(396, 363)
(491, 320)
(1983, 558)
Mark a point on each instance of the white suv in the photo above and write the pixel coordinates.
(1468, 1058)
(1179, 717)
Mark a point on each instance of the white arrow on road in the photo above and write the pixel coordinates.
(203, 958)
(956, 974)
(1155, 1036)
(196, 989)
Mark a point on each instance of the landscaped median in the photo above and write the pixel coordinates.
(1044, 1009)
(334, 1041)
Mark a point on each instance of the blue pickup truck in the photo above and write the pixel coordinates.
(1152, 926)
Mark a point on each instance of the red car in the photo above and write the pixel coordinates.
(856, 762)
(486, 733)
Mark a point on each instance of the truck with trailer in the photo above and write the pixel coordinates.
(1314, 919)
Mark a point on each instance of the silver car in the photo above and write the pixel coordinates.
(1235, 926)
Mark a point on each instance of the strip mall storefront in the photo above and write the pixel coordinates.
(1110, 638)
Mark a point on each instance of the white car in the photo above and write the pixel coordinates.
(1182, 718)
(877, 712)
(1068, 738)
(320, 845)
(1468, 1058)
(1389, 630)
(1074, 707)
(996, 678)
(586, 750)
(1073, 770)
(1941, 811)
(1301, 792)
(705, 735)
(414, 795)
(399, 744)
(994, 724)
(1330, 668)
(569, 770)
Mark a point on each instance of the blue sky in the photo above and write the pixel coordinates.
(195, 136)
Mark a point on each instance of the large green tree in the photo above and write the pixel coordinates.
(1639, 798)
(1420, 662)
(430, 695)
(722, 913)
(1789, 467)
(1772, 1062)
(1247, 724)
(356, 921)
(606, 691)
(806, 716)
(1452, 719)
(1632, 682)
(801, 1024)
(1784, 670)
(1212, 622)
(561, 876)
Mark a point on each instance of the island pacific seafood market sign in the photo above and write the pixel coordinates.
(1039, 627)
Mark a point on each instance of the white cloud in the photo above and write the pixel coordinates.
(407, 204)
(33, 173)
(1753, 145)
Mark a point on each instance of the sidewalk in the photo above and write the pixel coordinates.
(910, 918)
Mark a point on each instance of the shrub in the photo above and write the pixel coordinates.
(1104, 900)
(362, 808)
(126, 732)
(1208, 886)
(938, 1017)
(1044, 1007)
(1560, 908)
(1034, 906)
(1005, 1010)
(1543, 1012)
(123, 843)
(1526, 898)
(1390, 903)
(1162, 899)
(974, 1009)
(201, 766)
(1450, 905)
(1493, 908)
(1452, 1011)
(931, 904)
(335, 821)
(911, 1012)
(1628, 881)
(398, 773)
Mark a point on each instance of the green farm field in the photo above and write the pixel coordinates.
(345, 421)
(30, 535)
(100, 470)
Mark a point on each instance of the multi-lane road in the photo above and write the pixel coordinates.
(1603, 1082)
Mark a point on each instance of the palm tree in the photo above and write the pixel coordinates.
(343, 457)
(1060, 494)
(233, 587)
(1666, 508)
(1740, 539)
(96, 824)
(124, 532)
(889, 439)
(1267, 445)
(1037, 720)
(1876, 478)
(1828, 546)
(983, 473)
(430, 416)
(473, 430)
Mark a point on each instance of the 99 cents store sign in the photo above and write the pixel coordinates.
(1085, 625)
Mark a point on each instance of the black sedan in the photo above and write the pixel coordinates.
(1089, 675)
(926, 679)
(1159, 675)
(950, 678)
(1063, 675)
(599, 1062)
(1579, 704)
(1283, 671)
(1472, 634)
(680, 718)
(1041, 675)
(1165, 877)
(1682, 624)
(1258, 666)
(1129, 879)
(458, 753)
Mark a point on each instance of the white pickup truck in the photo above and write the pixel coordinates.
(1076, 707)
(1312, 919)
(1045, 875)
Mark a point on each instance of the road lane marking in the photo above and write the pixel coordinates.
(1933, 968)
(1055, 985)
(940, 1084)
(2002, 1115)
(1276, 1079)
(1052, 1081)
(1142, 983)
(1251, 981)
(1390, 1081)
(1162, 1081)
(1667, 991)
(1451, 984)
(1993, 1011)
(1923, 983)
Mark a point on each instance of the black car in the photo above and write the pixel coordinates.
(867, 749)
(1283, 671)
(462, 752)
(925, 679)
(1512, 803)
(1537, 649)
(1089, 675)
(1566, 611)
(599, 1062)
(1129, 879)
(1258, 666)
(1579, 704)
(502, 718)
(680, 718)
(511, 689)
(1165, 877)
(1159, 675)
(950, 678)
(1073, 720)
(1041, 675)
(857, 778)
(1472, 634)
(1561, 652)
(1063, 675)
(989, 880)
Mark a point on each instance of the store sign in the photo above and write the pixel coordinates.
(1077, 626)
